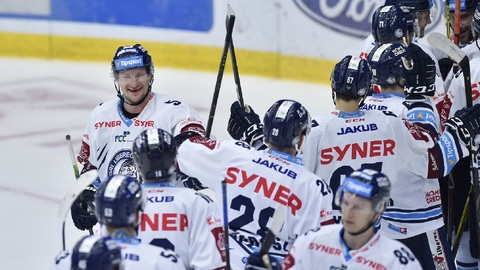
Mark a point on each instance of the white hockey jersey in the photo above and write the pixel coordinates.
(456, 98)
(422, 212)
(325, 249)
(186, 222)
(340, 143)
(367, 45)
(257, 182)
(135, 256)
(107, 141)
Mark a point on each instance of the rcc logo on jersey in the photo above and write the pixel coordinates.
(121, 138)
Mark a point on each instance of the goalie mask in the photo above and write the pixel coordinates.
(117, 201)
(155, 153)
(94, 253)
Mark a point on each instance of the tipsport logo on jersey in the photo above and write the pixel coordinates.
(351, 17)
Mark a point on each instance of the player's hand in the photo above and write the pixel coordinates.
(189, 182)
(180, 138)
(244, 125)
(82, 210)
(256, 262)
(420, 77)
(465, 123)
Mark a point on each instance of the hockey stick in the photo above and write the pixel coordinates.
(236, 74)
(72, 156)
(448, 47)
(278, 219)
(73, 192)
(448, 23)
(230, 20)
(225, 223)
(75, 169)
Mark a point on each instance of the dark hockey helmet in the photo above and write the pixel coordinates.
(416, 5)
(117, 201)
(390, 2)
(94, 253)
(391, 23)
(285, 122)
(352, 77)
(154, 153)
(388, 62)
(128, 57)
(367, 183)
(476, 23)
(464, 4)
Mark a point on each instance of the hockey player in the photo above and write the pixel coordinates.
(467, 8)
(465, 37)
(119, 203)
(176, 218)
(357, 244)
(258, 182)
(467, 256)
(93, 253)
(389, 24)
(113, 125)
(472, 48)
(407, 80)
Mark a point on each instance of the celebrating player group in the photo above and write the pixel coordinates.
(386, 180)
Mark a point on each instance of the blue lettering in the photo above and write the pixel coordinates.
(156, 199)
(276, 167)
(359, 128)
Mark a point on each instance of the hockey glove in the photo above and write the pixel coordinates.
(180, 138)
(244, 125)
(189, 182)
(255, 262)
(419, 78)
(465, 123)
(82, 210)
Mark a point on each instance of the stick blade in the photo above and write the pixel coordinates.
(278, 219)
(230, 12)
(71, 195)
(276, 224)
(447, 46)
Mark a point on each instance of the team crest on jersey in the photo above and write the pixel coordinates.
(122, 163)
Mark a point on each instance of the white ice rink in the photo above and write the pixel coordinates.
(42, 101)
